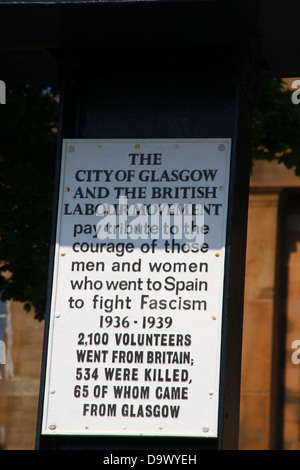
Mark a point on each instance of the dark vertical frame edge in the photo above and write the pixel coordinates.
(51, 253)
(234, 270)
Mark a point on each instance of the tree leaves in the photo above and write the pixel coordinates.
(27, 162)
(276, 125)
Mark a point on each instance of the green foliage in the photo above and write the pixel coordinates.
(27, 159)
(276, 125)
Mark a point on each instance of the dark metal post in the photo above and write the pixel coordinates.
(174, 92)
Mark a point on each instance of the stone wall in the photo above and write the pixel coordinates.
(19, 386)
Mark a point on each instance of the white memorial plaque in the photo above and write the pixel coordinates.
(136, 311)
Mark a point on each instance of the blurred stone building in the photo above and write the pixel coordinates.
(270, 386)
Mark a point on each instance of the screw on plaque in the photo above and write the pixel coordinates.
(221, 147)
